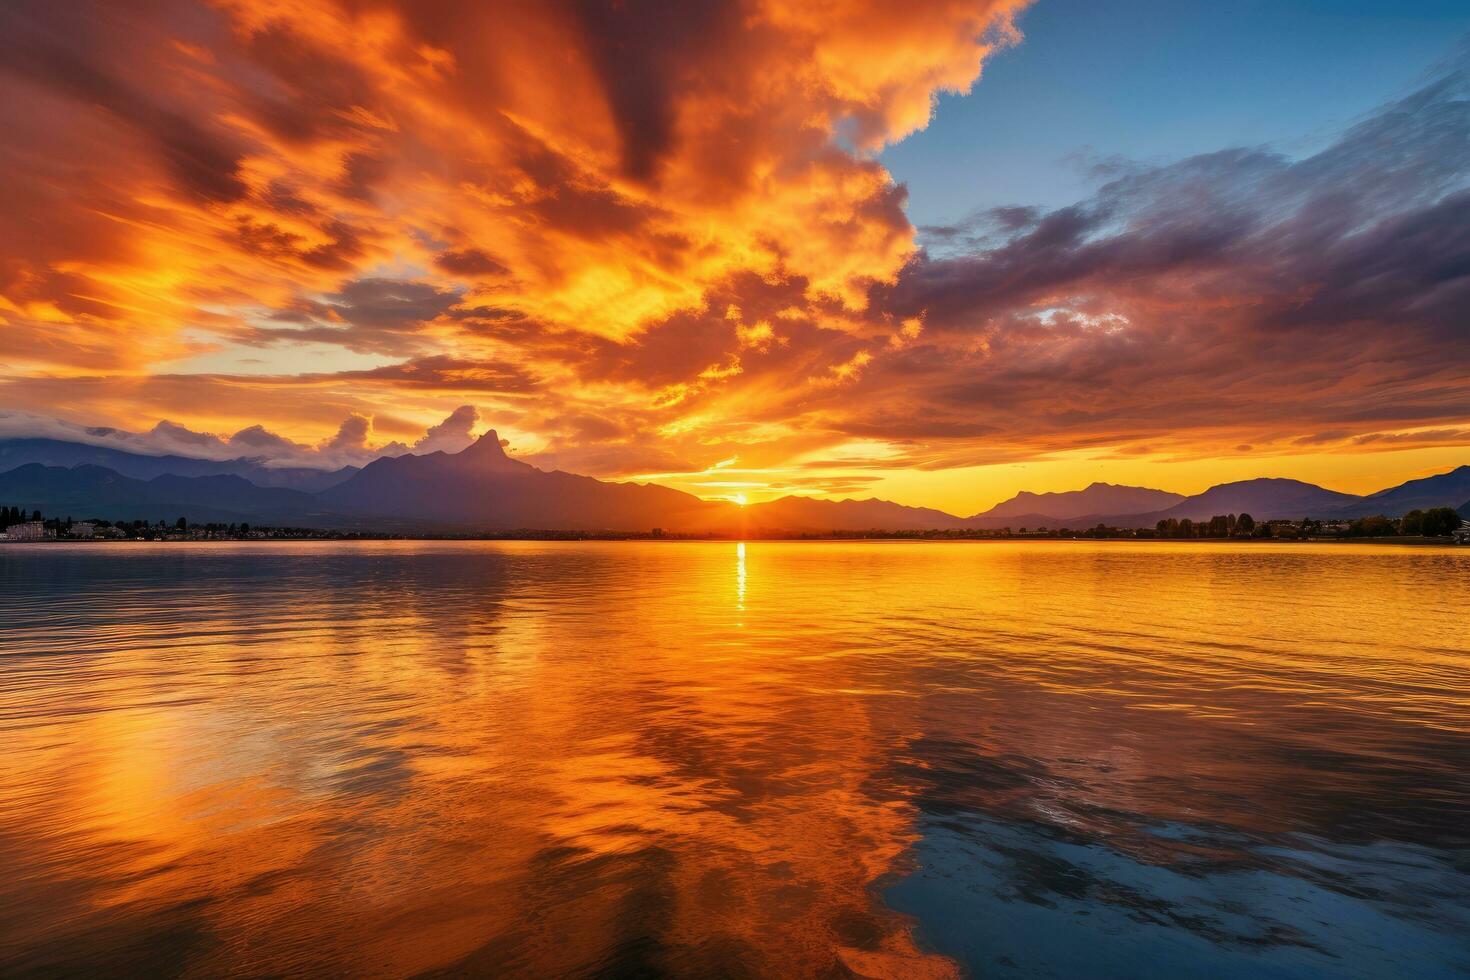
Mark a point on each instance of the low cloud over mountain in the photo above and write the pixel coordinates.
(353, 444)
(480, 488)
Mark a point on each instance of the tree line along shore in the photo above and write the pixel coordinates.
(1436, 525)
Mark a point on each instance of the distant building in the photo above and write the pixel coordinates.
(1462, 535)
(27, 531)
(82, 529)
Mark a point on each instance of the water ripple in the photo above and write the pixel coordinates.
(774, 759)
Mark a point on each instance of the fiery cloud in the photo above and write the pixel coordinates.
(646, 238)
(596, 166)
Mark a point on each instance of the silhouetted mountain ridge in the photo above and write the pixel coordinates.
(1097, 498)
(95, 491)
(1422, 494)
(1264, 498)
(140, 466)
(482, 488)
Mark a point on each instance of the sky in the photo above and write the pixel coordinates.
(937, 252)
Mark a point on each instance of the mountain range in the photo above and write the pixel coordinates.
(1099, 498)
(481, 488)
(95, 491)
(56, 452)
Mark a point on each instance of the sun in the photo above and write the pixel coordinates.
(739, 498)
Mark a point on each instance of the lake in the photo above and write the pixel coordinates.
(884, 759)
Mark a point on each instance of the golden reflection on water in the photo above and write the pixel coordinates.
(399, 758)
(740, 576)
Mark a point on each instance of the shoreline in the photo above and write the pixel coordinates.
(614, 538)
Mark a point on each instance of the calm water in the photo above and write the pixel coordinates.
(881, 759)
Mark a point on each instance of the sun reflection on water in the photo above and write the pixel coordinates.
(740, 577)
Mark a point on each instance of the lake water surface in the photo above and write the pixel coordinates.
(773, 759)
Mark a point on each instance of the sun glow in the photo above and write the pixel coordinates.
(739, 498)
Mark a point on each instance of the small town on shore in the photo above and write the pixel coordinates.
(17, 526)
(1439, 525)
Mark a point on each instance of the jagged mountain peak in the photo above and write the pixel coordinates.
(487, 447)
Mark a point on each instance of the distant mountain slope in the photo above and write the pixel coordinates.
(94, 491)
(807, 514)
(482, 488)
(1099, 498)
(139, 466)
(1263, 499)
(1442, 490)
(1268, 498)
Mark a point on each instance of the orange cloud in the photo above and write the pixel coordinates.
(597, 166)
(649, 236)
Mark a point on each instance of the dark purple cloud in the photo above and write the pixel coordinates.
(1234, 292)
